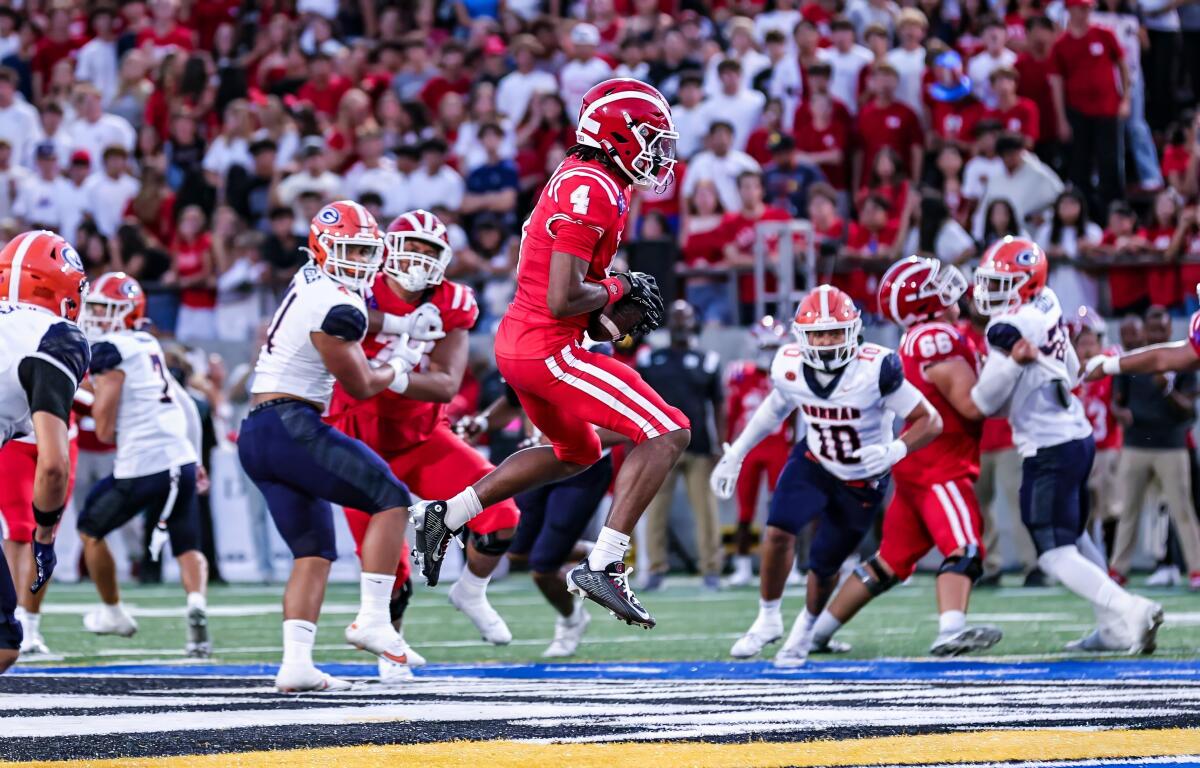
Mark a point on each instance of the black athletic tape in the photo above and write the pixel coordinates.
(47, 519)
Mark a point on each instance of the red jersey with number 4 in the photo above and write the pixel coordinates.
(389, 422)
(955, 452)
(1097, 404)
(746, 386)
(581, 211)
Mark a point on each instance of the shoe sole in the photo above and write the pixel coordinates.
(1149, 642)
(788, 663)
(579, 591)
(975, 639)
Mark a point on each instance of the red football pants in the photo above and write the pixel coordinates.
(945, 515)
(766, 458)
(18, 465)
(567, 393)
(437, 468)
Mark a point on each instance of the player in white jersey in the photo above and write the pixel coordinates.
(301, 464)
(43, 357)
(849, 394)
(155, 425)
(1030, 371)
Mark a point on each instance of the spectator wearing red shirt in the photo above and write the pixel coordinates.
(1033, 69)
(1123, 241)
(701, 239)
(885, 178)
(165, 34)
(1164, 281)
(453, 77)
(829, 229)
(871, 245)
(767, 133)
(822, 129)
(1178, 161)
(1185, 247)
(738, 233)
(324, 89)
(1016, 114)
(195, 276)
(55, 45)
(885, 122)
(1090, 102)
(953, 110)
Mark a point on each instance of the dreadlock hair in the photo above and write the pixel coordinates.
(594, 154)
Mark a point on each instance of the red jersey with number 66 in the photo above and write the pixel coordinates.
(389, 422)
(955, 452)
(581, 212)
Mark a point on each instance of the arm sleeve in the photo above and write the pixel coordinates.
(996, 382)
(766, 419)
(891, 375)
(64, 346)
(903, 399)
(46, 388)
(345, 322)
(191, 414)
(1003, 336)
(105, 357)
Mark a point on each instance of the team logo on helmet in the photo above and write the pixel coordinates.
(71, 257)
(329, 215)
(129, 289)
(1026, 258)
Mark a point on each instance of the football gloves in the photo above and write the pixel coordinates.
(724, 476)
(878, 459)
(643, 291)
(422, 324)
(44, 561)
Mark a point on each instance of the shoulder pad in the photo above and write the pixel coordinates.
(64, 345)
(1003, 336)
(105, 357)
(891, 374)
(345, 322)
(787, 360)
(457, 304)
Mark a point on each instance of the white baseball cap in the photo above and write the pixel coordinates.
(585, 34)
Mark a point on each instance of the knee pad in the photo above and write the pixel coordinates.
(490, 544)
(969, 564)
(876, 578)
(399, 601)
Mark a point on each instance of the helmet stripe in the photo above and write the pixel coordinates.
(823, 293)
(14, 287)
(363, 220)
(587, 123)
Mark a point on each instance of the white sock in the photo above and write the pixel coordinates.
(462, 508)
(950, 622)
(197, 601)
(30, 621)
(611, 546)
(770, 608)
(824, 628)
(298, 639)
(376, 593)
(473, 585)
(1084, 578)
(1087, 548)
(743, 564)
(809, 619)
(115, 610)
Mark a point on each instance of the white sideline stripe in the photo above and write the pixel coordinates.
(961, 505)
(588, 388)
(621, 387)
(951, 514)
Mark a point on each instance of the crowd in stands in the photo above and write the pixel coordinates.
(189, 142)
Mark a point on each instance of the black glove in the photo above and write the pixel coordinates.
(643, 291)
(44, 560)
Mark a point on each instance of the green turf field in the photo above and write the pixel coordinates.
(692, 624)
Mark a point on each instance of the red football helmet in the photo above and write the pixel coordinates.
(41, 268)
(917, 288)
(769, 333)
(1011, 272)
(345, 243)
(631, 122)
(417, 270)
(116, 301)
(827, 310)
(1086, 317)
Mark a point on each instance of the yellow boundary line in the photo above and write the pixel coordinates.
(967, 747)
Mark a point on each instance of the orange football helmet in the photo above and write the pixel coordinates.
(116, 301)
(827, 310)
(344, 241)
(41, 268)
(1013, 271)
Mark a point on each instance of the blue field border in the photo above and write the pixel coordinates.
(936, 671)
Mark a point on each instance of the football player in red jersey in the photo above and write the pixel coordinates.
(410, 430)
(625, 138)
(747, 384)
(934, 504)
(1087, 334)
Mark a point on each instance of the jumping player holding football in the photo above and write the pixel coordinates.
(934, 504)
(43, 357)
(408, 426)
(301, 464)
(625, 137)
(848, 393)
(1030, 371)
(156, 427)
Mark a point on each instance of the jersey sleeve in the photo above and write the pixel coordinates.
(583, 208)
(1003, 336)
(891, 374)
(345, 321)
(458, 306)
(63, 345)
(785, 367)
(46, 389)
(105, 357)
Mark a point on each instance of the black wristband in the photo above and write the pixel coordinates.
(47, 519)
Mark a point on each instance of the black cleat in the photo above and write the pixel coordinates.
(1035, 578)
(432, 538)
(198, 645)
(610, 588)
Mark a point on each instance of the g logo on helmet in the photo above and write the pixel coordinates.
(129, 290)
(1026, 259)
(329, 216)
(71, 258)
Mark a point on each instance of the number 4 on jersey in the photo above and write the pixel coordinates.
(579, 199)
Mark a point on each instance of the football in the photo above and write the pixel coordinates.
(613, 321)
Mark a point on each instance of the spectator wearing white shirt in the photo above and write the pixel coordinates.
(846, 58)
(721, 164)
(42, 197)
(516, 89)
(434, 184)
(96, 131)
(96, 61)
(50, 129)
(18, 120)
(12, 176)
(865, 13)
(939, 234)
(782, 80)
(994, 56)
(784, 18)
(10, 35)
(313, 180)
(741, 50)
(983, 164)
(909, 58)
(1025, 182)
(735, 104)
(584, 70)
(633, 61)
(1067, 238)
(688, 115)
(376, 173)
(231, 146)
(109, 191)
(72, 198)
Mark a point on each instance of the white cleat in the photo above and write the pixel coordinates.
(391, 673)
(966, 640)
(33, 645)
(299, 678)
(1097, 641)
(379, 639)
(481, 613)
(794, 652)
(1165, 576)
(743, 572)
(1143, 622)
(110, 620)
(568, 633)
(766, 629)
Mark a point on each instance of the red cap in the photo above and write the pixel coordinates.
(1079, 3)
(81, 156)
(494, 46)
